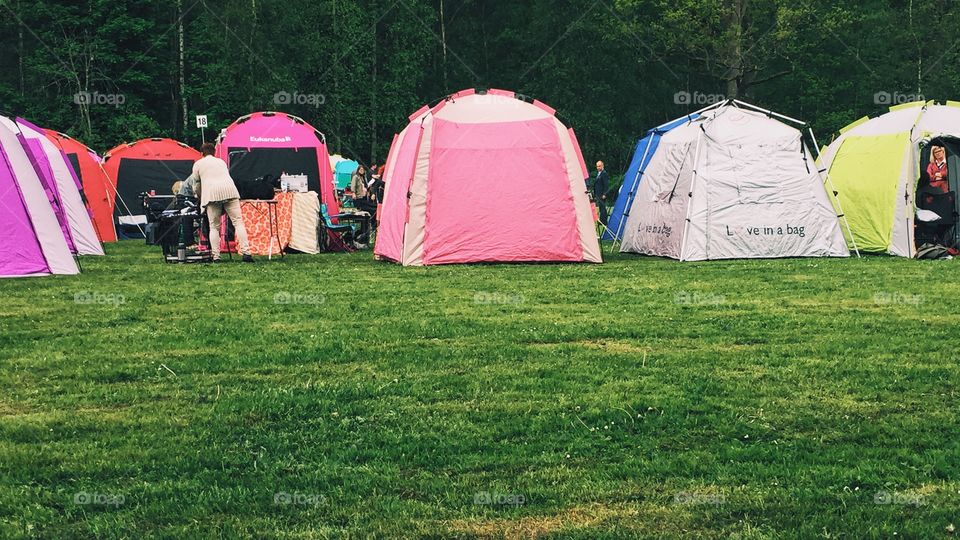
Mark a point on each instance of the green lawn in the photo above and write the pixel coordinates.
(334, 396)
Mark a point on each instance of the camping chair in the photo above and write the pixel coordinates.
(327, 226)
(346, 201)
(944, 205)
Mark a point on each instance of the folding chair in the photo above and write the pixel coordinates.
(941, 231)
(327, 226)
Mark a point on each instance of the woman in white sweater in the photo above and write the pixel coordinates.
(219, 195)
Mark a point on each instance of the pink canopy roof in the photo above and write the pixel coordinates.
(280, 130)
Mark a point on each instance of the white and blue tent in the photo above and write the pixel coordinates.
(736, 182)
(642, 155)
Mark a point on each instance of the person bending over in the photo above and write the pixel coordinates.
(218, 196)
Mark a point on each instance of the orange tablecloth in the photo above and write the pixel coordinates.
(256, 219)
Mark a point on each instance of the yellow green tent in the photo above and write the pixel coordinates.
(874, 165)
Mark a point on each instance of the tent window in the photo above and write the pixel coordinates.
(75, 163)
(247, 165)
(136, 176)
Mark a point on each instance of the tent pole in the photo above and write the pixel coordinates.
(124, 203)
(816, 145)
(832, 191)
(693, 182)
(603, 230)
(771, 113)
(630, 199)
(708, 107)
(911, 236)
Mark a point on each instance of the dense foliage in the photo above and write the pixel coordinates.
(357, 68)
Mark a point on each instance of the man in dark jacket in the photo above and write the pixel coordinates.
(601, 184)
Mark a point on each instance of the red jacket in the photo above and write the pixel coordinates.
(943, 184)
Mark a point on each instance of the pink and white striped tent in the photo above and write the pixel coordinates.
(32, 242)
(486, 177)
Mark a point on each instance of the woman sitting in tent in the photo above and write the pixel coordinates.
(937, 169)
(219, 195)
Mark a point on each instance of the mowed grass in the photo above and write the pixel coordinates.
(333, 396)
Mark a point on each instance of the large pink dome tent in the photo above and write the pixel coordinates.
(275, 143)
(486, 177)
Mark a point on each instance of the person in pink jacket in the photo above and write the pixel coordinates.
(937, 169)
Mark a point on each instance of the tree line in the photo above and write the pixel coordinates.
(110, 71)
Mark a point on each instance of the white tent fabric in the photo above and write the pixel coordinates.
(733, 183)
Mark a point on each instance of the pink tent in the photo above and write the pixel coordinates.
(486, 177)
(62, 186)
(31, 240)
(275, 143)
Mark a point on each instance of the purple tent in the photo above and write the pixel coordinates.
(31, 240)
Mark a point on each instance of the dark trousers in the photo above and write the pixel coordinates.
(602, 210)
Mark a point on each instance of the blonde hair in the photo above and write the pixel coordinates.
(176, 187)
(934, 149)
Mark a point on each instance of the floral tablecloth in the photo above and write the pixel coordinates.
(295, 224)
(256, 218)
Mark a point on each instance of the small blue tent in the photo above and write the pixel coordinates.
(343, 171)
(646, 147)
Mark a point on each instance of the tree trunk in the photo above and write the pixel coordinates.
(373, 100)
(919, 45)
(20, 51)
(735, 62)
(180, 65)
(337, 104)
(483, 32)
(443, 41)
(83, 86)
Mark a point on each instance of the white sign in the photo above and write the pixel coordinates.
(293, 182)
(201, 120)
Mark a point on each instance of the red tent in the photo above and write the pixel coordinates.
(97, 188)
(146, 165)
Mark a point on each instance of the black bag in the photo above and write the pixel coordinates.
(259, 188)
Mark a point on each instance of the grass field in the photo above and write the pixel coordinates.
(336, 397)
